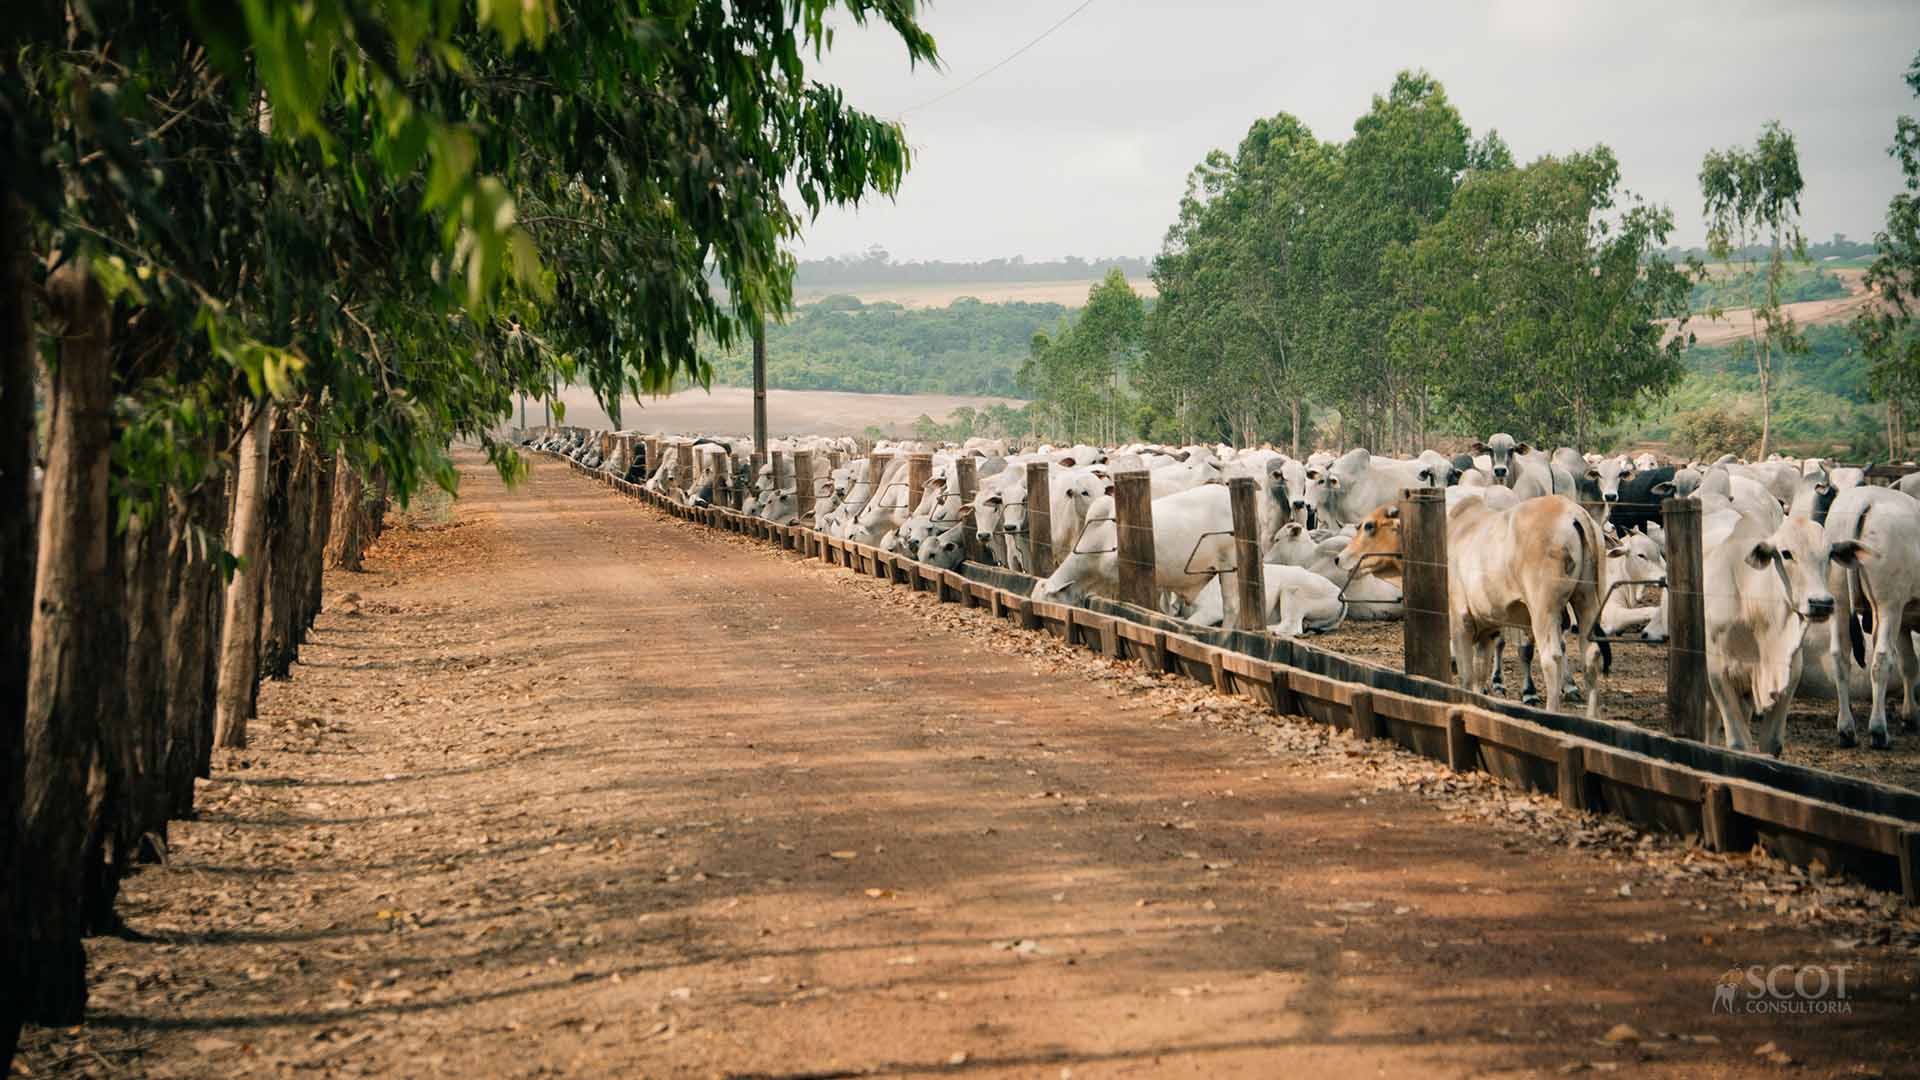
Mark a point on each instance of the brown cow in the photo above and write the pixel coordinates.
(1527, 566)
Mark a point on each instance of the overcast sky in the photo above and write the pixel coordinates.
(1081, 146)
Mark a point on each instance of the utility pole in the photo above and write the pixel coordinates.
(759, 384)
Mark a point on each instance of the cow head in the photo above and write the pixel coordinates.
(1375, 548)
(1500, 450)
(1013, 512)
(988, 509)
(1799, 553)
(1608, 475)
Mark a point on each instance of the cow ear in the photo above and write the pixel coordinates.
(1066, 463)
(1313, 474)
(1762, 554)
(1426, 474)
(1664, 488)
(1109, 489)
(1522, 448)
(1478, 447)
(1593, 474)
(1853, 553)
(1393, 511)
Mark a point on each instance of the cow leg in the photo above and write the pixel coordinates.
(1773, 732)
(1529, 691)
(1884, 631)
(1499, 684)
(1840, 652)
(1466, 654)
(1547, 644)
(1733, 711)
(1909, 678)
(1590, 659)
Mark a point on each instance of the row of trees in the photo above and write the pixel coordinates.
(1411, 276)
(259, 259)
(1416, 278)
(1887, 332)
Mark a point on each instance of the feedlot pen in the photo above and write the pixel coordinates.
(1635, 693)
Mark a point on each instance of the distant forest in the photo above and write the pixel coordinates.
(1837, 248)
(876, 267)
(840, 343)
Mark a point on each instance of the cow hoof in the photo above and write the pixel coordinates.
(1531, 699)
(1879, 740)
(1847, 741)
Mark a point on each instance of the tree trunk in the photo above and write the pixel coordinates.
(1766, 409)
(240, 621)
(74, 592)
(287, 505)
(193, 638)
(116, 829)
(1294, 410)
(319, 521)
(16, 591)
(354, 527)
(150, 582)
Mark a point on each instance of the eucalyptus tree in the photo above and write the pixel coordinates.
(1541, 300)
(1752, 195)
(1886, 332)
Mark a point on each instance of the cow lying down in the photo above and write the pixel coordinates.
(1299, 601)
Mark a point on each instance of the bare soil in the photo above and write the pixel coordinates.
(1635, 692)
(565, 787)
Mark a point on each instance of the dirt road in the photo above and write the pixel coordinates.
(568, 787)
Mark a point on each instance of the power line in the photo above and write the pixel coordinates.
(1010, 58)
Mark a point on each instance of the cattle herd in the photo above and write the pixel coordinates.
(1811, 574)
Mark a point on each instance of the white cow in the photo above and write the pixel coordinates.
(1368, 598)
(1192, 543)
(1877, 593)
(1357, 484)
(1298, 601)
(1763, 592)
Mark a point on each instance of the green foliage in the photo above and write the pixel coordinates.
(839, 343)
(1822, 402)
(1713, 430)
(1754, 194)
(1536, 300)
(1887, 334)
(401, 216)
(1746, 288)
(1079, 376)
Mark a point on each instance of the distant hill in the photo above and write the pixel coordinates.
(844, 343)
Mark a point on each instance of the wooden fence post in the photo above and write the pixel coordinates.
(803, 485)
(1133, 529)
(1423, 541)
(876, 469)
(1686, 620)
(919, 474)
(685, 471)
(653, 458)
(723, 479)
(1039, 519)
(755, 463)
(1249, 573)
(967, 479)
(1366, 724)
